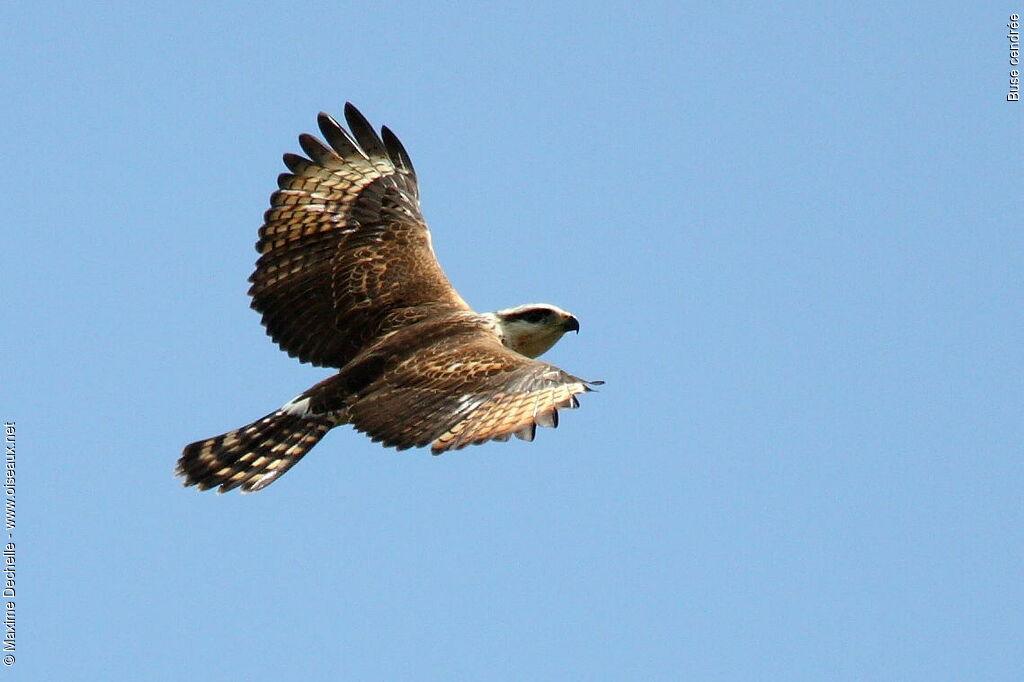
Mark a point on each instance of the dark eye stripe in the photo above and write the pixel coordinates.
(534, 315)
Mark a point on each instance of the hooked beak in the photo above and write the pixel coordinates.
(571, 324)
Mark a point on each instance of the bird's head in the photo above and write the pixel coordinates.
(533, 328)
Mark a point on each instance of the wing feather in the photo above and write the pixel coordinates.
(320, 153)
(338, 138)
(365, 135)
(462, 392)
(396, 151)
(345, 254)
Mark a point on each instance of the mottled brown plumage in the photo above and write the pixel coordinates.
(347, 278)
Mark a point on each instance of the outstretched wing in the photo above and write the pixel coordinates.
(464, 394)
(346, 254)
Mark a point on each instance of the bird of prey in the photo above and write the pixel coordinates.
(347, 278)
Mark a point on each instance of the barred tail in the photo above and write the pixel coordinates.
(255, 455)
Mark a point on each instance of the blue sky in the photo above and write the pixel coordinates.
(792, 234)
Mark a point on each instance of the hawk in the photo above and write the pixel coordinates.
(347, 278)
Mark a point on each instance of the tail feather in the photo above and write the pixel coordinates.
(253, 456)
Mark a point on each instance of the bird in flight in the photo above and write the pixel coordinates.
(347, 278)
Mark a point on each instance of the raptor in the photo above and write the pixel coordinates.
(347, 278)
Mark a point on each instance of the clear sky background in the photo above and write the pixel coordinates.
(792, 235)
